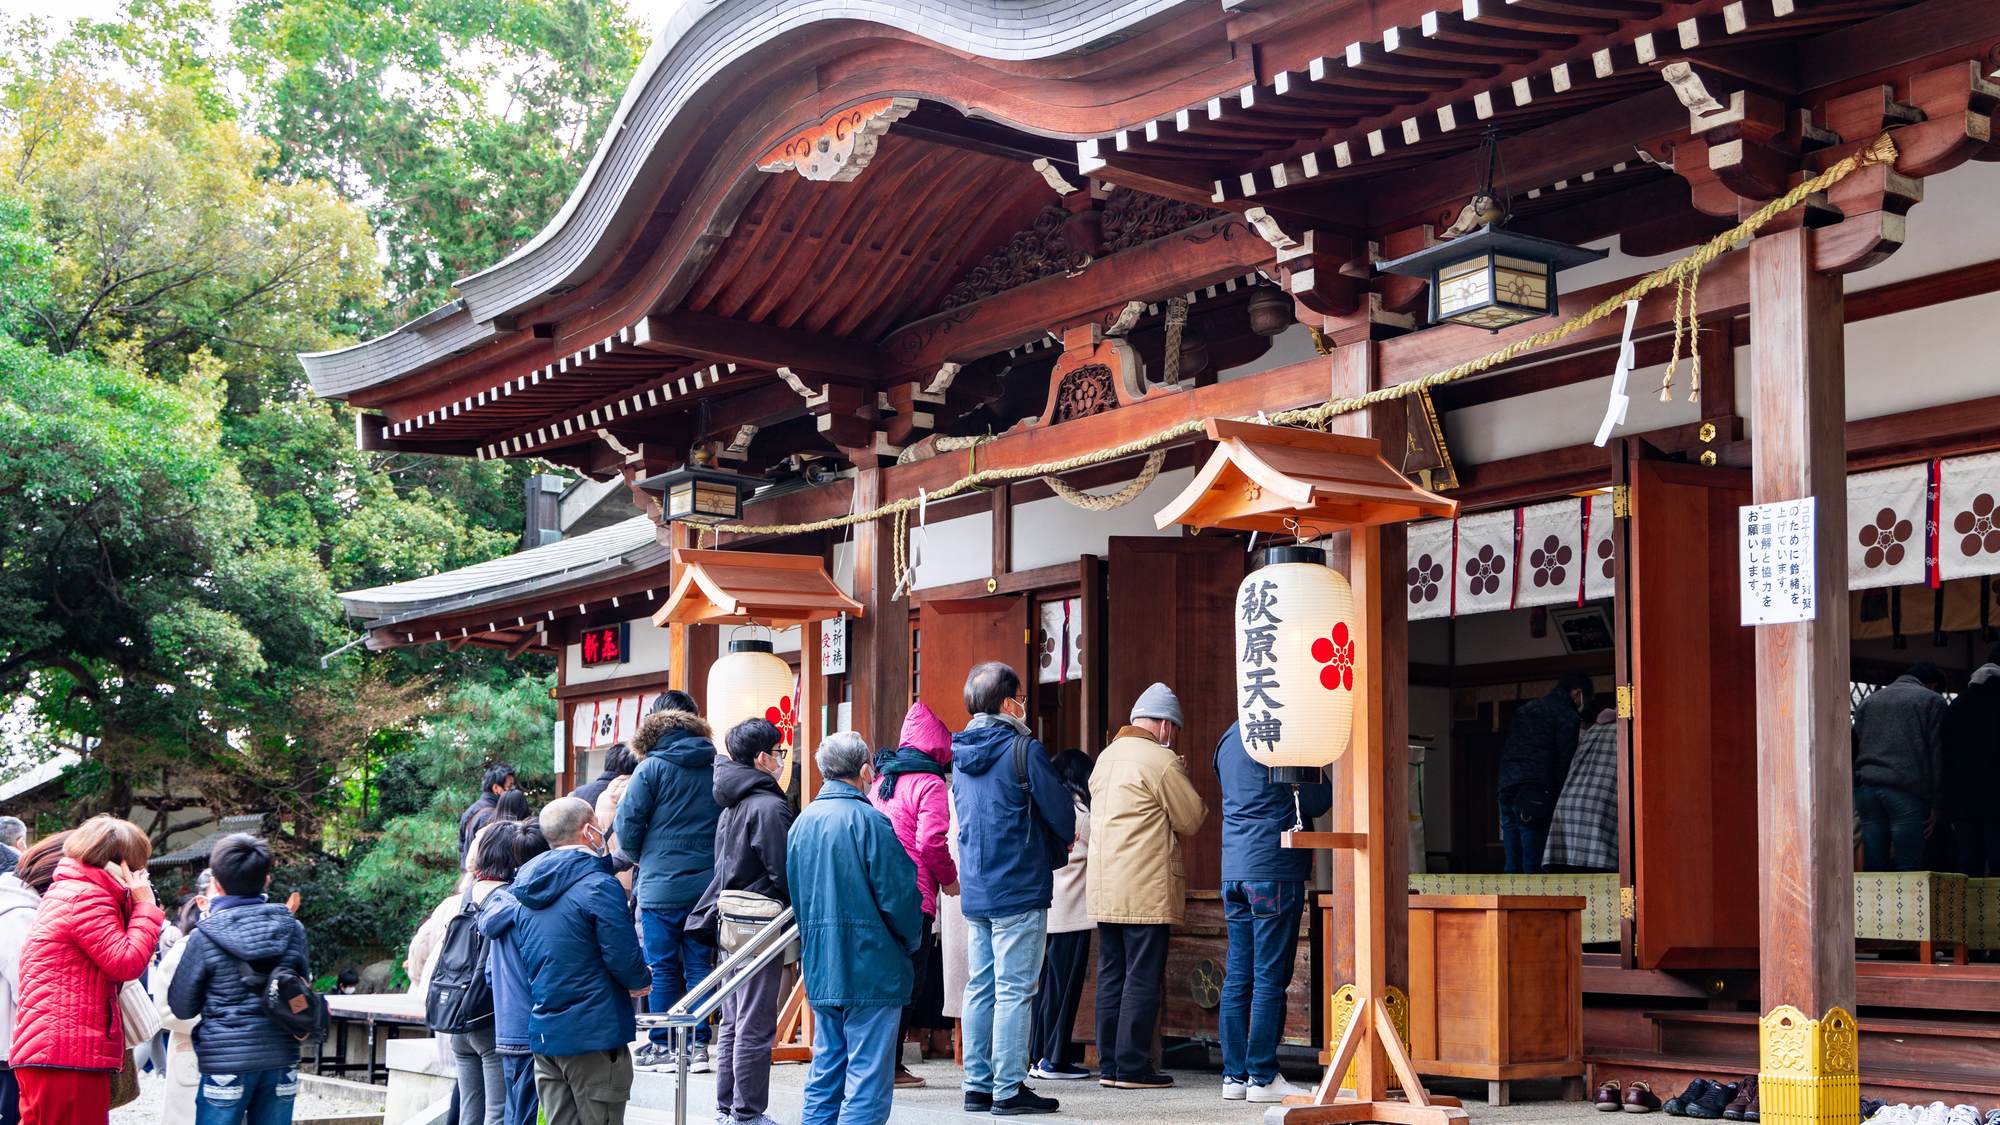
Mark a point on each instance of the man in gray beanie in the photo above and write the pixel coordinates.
(1141, 804)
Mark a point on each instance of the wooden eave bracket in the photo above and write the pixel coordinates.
(750, 587)
(1262, 478)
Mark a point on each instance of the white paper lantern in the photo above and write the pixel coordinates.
(751, 682)
(1295, 652)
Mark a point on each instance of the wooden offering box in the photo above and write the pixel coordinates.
(1496, 988)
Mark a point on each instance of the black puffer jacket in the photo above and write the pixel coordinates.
(1540, 743)
(750, 841)
(235, 1035)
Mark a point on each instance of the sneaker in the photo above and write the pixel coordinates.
(1893, 1113)
(1234, 1090)
(1936, 1113)
(906, 1079)
(1963, 1114)
(698, 1061)
(1153, 1081)
(1677, 1105)
(652, 1056)
(724, 1117)
(1276, 1090)
(1715, 1099)
(977, 1101)
(1993, 1116)
(760, 1119)
(1024, 1102)
(1053, 1073)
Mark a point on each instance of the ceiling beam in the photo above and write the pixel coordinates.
(723, 340)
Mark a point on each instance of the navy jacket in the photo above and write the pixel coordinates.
(486, 804)
(1898, 738)
(580, 953)
(1008, 845)
(505, 971)
(236, 1035)
(854, 890)
(1540, 743)
(1255, 812)
(666, 823)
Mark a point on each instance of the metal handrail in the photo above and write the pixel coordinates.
(704, 999)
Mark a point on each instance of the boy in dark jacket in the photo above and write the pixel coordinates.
(249, 1065)
(1533, 763)
(749, 856)
(666, 825)
(583, 968)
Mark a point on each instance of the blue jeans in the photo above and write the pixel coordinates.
(261, 1097)
(679, 962)
(523, 1107)
(853, 1069)
(1004, 959)
(1263, 919)
(1892, 828)
(1524, 844)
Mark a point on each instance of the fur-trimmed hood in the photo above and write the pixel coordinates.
(655, 727)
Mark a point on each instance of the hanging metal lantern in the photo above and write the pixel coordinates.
(1295, 660)
(1270, 311)
(751, 682)
(700, 493)
(1491, 278)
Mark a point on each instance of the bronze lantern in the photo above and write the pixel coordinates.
(1491, 278)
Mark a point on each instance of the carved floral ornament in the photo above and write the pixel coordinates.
(838, 148)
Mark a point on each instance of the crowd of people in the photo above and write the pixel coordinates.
(952, 875)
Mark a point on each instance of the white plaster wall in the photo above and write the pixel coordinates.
(649, 655)
(954, 550)
(1051, 530)
(1293, 345)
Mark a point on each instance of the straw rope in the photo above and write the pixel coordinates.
(1681, 273)
(1110, 501)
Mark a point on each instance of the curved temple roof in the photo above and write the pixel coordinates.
(699, 41)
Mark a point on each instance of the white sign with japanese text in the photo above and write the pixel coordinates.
(833, 646)
(1776, 555)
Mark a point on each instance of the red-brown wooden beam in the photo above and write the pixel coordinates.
(1805, 818)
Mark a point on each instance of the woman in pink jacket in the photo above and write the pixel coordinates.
(916, 797)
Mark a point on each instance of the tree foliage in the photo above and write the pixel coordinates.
(186, 202)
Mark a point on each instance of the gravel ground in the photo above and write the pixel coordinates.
(152, 1090)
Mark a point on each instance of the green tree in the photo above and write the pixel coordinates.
(464, 123)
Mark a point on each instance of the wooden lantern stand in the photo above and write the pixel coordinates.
(713, 587)
(1275, 479)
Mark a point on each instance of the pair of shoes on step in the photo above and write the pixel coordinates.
(1636, 1098)
(1709, 1100)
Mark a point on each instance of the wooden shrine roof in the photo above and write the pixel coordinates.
(748, 587)
(1304, 482)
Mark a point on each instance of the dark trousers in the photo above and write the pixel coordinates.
(678, 960)
(1522, 844)
(1131, 965)
(1063, 969)
(1892, 828)
(10, 1097)
(912, 1014)
(743, 1045)
(523, 1107)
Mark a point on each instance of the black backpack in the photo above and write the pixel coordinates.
(1054, 848)
(459, 998)
(289, 999)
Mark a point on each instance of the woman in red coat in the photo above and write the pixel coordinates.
(96, 928)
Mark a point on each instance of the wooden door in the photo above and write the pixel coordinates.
(1692, 765)
(1169, 621)
(954, 636)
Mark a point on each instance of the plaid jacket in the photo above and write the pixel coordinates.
(1584, 830)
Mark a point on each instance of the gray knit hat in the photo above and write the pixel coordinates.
(1158, 702)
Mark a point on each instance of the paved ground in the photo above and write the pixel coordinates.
(1197, 1098)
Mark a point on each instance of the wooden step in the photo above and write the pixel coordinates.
(1670, 1073)
(1936, 1046)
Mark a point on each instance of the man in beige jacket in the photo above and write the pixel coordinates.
(1141, 803)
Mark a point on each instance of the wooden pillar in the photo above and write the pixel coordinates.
(1808, 1042)
(679, 663)
(878, 657)
(1354, 372)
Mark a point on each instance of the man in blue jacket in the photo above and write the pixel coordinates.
(855, 893)
(1263, 892)
(249, 1065)
(666, 825)
(575, 940)
(1015, 825)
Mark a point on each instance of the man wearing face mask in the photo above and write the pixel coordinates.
(1015, 824)
(574, 935)
(1141, 805)
(1540, 744)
